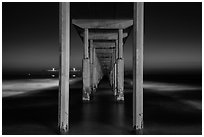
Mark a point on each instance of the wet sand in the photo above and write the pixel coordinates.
(169, 113)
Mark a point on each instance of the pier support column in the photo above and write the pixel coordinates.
(94, 70)
(120, 84)
(111, 78)
(63, 113)
(86, 80)
(115, 69)
(138, 27)
(86, 68)
(91, 65)
(120, 43)
(115, 79)
(120, 67)
(111, 71)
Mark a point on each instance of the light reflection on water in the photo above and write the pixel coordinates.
(160, 86)
(17, 87)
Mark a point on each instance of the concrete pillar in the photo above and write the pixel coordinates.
(113, 62)
(91, 51)
(111, 70)
(113, 73)
(120, 83)
(110, 74)
(120, 67)
(86, 80)
(86, 43)
(86, 68)
(94, 56)
(97, 70)
(111, 78)
(94, 70)
(115, 79)
(91, 63)
(63, 119)
(116, 49)
(120, 43)
(138, 33)
(115, 68)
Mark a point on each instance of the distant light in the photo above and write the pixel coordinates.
(74, 76)
(52, 70)
(53, 76)
(74, 69)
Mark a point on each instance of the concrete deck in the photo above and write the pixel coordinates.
(102, 24)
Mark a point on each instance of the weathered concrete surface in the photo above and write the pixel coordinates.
(102, 24)
(86, 43)
(104, 36)
(105, 51)
(86, 80)
(63, 113)
(111, 78)
(120, 79)
(99, 73)
(115, 79)
(120, 43)
(95, 76)
(103, 44)
(91, 49)
(112, 73)
(96, 70)
(138, 33)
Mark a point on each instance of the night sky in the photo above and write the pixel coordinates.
(172, 41)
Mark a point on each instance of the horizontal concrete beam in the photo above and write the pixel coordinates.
(105, 61)
(105, 47)
(104, 51)
(104, 56)
(103, 36)
(102, 23)
(103, 44)
(100, 55)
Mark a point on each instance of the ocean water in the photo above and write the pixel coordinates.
(30, 106)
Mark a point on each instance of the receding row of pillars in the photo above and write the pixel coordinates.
(91, 81)
(91, 61)
(117, 72)
(92, 72)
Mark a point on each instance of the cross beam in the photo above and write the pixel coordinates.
(104, 36)
(102, 24)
